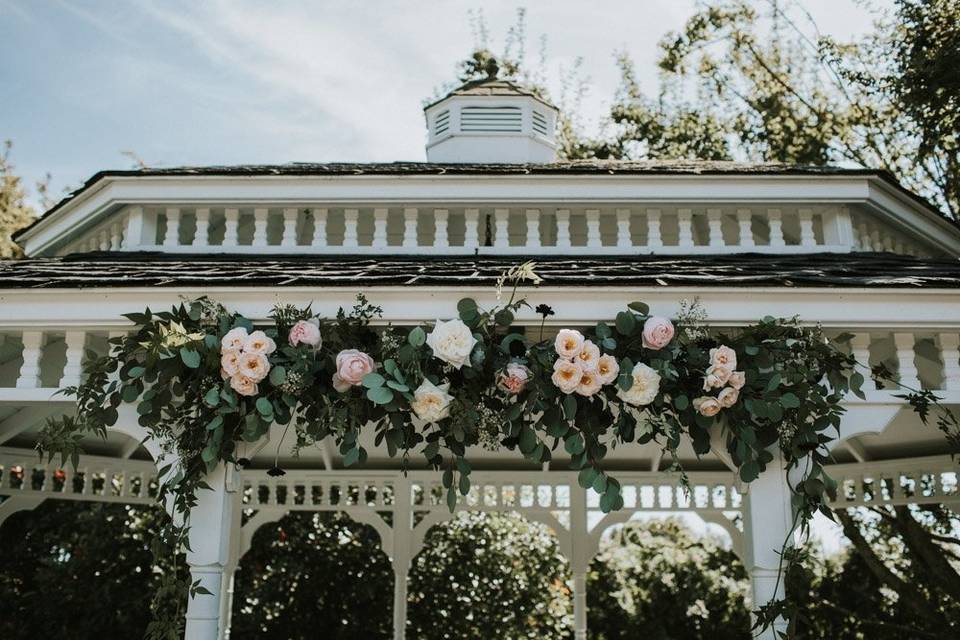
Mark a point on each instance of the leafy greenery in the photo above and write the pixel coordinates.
(15, 213)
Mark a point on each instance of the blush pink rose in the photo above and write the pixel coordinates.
(514, 378)
(340, 385)
(716, 377)
(352, 365)
(707, 406)
(728, 397)
(737, 380)
(243, 385)
(723, 356)
(305, 332)
(657, 332)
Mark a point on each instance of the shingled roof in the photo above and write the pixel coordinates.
(872, 270)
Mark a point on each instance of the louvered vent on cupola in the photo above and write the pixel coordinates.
(491, 121)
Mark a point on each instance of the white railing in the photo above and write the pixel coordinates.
(527, 229)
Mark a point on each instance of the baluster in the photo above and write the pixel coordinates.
(654, 237)
(410, 216)
(260, 227)
(860, 348)
(624, 239)
(116, 238)
(319, 228)
(533, 228)
(898, 245)
(887, 242)
(440, 233)
(775, 219)
(92, 244)
(75, 341)
(875, 242)
(593, 228)
(202, 236)
(863, 237)
(807, 238)
(471, 232)
(289, 237)
(563, 228)
(172, 238)
(29, 377)
(134, 231)
(350, 228)
(501, 236)
(745, 227)
(271, 492)
(685, 222)
(906, 356)
(949, 344)
(231, 223)
(104, 237)
(380, 228)
(715, 224)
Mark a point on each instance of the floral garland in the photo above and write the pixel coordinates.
(205, 380)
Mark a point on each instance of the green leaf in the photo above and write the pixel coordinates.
(396, 386)
(380, 395)
(586, 477)
(570, 406)
(789, 401)
(136, 372)
(190, 357)
(640, 307)
(774, 381)
(352, 457)
(215, 423)
(130, 393)
(856, 385)
(212, 397)
(264, 407)
(749, 471)
(464, 484)
(417, 337)
(504, 318)
(466, 305)
(373, 380)
(626, 323)
(451, 499)
(278, 375)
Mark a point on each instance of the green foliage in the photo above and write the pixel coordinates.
(15, 213)
(656, 579)
(489, 571)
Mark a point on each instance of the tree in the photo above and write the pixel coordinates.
(656, 579)
(15, 213)
(486, 571)
(766, 86)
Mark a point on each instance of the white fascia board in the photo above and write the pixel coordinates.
(877, 309)
(113, 191)
(912, 217)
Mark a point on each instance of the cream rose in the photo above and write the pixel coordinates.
(305, 332)
(589, 384)
(737, 380)
(566, 375)
(254, 366)
(352, 365)
(723, 356)
(233, 340)
(707, 406)
(716, 377)
(728, 397)
(514, 378)
(569, 343)
(244, 385)
(258, 342)
(657, 332)
(589, 356)
(230, 362)
(452, 341)
(430, 402)
(340, 385)
(646, 385)
(607, 369)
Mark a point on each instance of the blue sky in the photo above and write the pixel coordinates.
(227, 82)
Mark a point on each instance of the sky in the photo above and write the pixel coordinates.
(180, 82)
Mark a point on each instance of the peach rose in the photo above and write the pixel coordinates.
(254, 366)
(244, 385)
(645, 386)
(305, 332)
(707, 406)
(566, 375)
(657, 332)
(737, 380)
(723, 356)
(352, 365)
(569, 343)
(258, 342)
(607, 369)
(589, 384)
(230, 362)
(728, 397)
(716, 377)
(233, 340)
(514, 378)
(589, 356)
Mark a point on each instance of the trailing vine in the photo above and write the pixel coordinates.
(205, 381)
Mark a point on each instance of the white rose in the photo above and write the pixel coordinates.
(646, 385)
(566, 375)
(233, 340)
(607, 369)
(452, 341)
(569, 343)
(430, 402)
(716, 377)
(723, 356)
(258, 342)
(589, 356)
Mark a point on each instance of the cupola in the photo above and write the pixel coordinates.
(491, 121)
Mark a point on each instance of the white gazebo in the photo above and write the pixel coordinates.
(847, 248)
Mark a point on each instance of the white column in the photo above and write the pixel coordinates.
(29, 377)
(654, 237)
(593, 228)
(471, 232)
(745, 227)
(402, 549)
(501, 237)
(231, 223)
(950, 352)
(75, 341)
(624, 239)
(767, 522)
(380, 228)
(440, 235)
(533, 228)
(212, 522)
(410, 216)
(906, 359)
(580, 558)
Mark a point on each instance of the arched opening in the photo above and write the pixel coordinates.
(490, 574)
(310, 575)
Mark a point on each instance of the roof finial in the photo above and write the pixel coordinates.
(492, 68)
